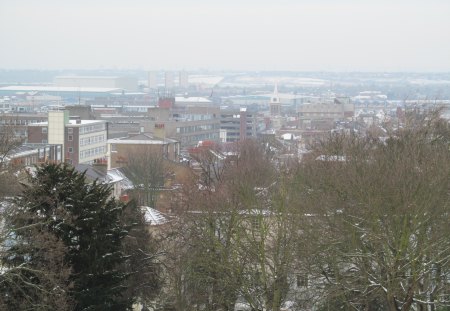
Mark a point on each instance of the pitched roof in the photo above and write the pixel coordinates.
(153, 217)
(91, 172)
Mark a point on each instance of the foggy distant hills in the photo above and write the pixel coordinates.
(396, 85)
(47, 76)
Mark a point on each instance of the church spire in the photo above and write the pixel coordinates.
(275, 97)
(275, 105)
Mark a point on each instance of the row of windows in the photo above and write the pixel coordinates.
(321, 114)
(92, 152)
(197, 138)
(92, 140)
(18, 122)
(92, 128)
(45, 152)
(192, 116)
(135, 108)
(230, 121)
(197, 128)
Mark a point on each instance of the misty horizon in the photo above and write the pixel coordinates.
(287, 36)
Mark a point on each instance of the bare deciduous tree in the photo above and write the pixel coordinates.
(145, 169)
(237, 239)
(381, 207)
(26, 281)
(8, 142)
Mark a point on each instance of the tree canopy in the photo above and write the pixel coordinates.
(90, 225)
(380, 227)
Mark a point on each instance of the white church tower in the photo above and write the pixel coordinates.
(275, 104)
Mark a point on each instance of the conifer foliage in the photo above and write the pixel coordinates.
(88, 223)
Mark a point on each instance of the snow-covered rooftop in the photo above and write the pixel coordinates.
(115, 175)
(153, 217)
(136, 141)
(39, 88)
(84, 122)
(72, 122)
(87, 77)
(181, 99)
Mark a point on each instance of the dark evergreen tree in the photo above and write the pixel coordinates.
(88, 222)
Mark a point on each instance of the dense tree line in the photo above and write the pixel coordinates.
(384, 241)
(361, 223)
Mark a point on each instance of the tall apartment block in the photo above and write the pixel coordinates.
(152, 80)
(169, 80)
(236, 125)
(183, 80)
(83, 141)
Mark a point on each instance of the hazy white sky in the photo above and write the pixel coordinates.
(337, 35)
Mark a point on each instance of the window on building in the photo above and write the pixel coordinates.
(44, 130)
(70, 138)
(44, 141)
(70, 130)
(70, 149)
